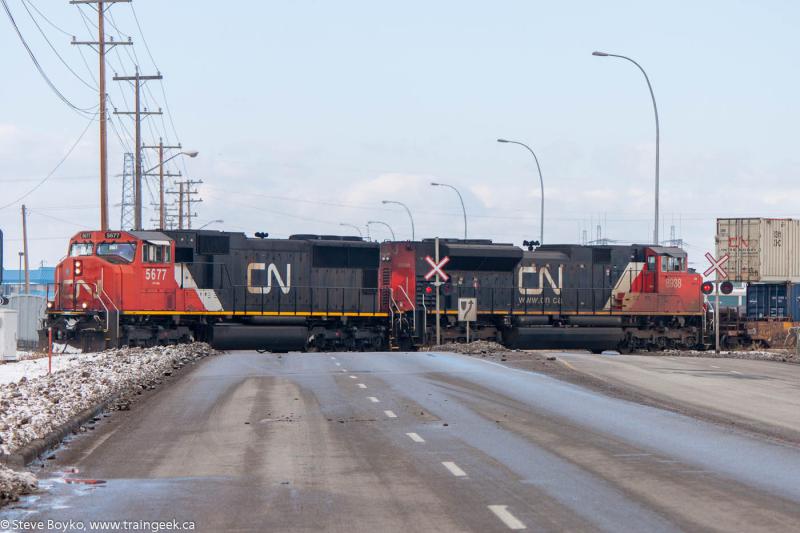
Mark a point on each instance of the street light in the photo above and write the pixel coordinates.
(541, 184)
(655, 110)
(459, 198)
(162, 211)
(354, 227)
(384, 224)
(407, 211)
(211, 222)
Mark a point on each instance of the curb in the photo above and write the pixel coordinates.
(38, 447)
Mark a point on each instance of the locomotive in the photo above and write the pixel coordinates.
(318, 292)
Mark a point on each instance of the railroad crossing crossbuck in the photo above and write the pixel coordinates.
(717, 265)
(437, 268)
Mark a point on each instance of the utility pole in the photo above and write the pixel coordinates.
(126, 205)
(101, 47)
(438, 285)
(137, 113)
(162, 210)
(25, 248)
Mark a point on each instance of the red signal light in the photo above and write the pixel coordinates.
(428, 289)
(707, 287)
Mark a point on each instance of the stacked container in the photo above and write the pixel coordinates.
(761, 250)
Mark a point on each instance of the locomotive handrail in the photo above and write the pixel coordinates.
(413, 307)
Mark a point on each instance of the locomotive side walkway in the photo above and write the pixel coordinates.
(422, 441)
(764, 395)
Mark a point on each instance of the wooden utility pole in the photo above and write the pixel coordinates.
(137, 113)
(185, 193)
(162, 210)
(25, 249)
(101, 47)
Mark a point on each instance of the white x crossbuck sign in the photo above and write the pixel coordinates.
(437, 268)
(717, 264)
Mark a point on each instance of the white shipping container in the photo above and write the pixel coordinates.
(765, 250)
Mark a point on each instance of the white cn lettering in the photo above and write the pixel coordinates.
(544, 275)
(272, 271)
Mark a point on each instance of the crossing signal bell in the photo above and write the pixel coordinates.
(707, 288)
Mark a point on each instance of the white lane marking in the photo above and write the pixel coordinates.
(415, 437)
(714, 366)
(362, 386)
(454, 469)
(390, 414)
(344, 370)
(353, 377)
(373, 399)
(332, 357)
(338, 363)
(735, 372)
(511, 521)
(632, 454)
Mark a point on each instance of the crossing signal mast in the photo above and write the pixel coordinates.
(101, 46)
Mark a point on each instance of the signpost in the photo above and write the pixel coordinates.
(718, 269)
(467, 311)
(437, 271)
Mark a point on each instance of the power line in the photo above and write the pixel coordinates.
(84, 111)
(53, 48)
(55, 168)
(68, 34)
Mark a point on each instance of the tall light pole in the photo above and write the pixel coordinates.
(655, 110)
(411, 218)
(460, 199)
(383, 224)
(541, 184)
(360, 234)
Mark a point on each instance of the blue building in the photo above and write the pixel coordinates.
(40, 278)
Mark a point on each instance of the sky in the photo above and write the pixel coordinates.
(307, 114)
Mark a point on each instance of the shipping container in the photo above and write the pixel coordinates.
(30, 309)
(761, 250)
(778, 301)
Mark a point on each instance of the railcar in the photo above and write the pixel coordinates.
(557, 296)
(151, 287)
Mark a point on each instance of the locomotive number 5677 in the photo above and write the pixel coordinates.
(155, 274)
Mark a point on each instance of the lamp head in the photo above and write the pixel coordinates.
(435, 184)
(599, 54)
(503, 140)
(192, 153)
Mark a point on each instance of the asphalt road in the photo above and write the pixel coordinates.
(415, 442)
(764, 393)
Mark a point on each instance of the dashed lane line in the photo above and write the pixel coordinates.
(338, 364)
(415, 437)
(735, 372)
(505, 516)
(454, 469)
(390, 414)
(353, 377)
(373, 399)
(362, 386)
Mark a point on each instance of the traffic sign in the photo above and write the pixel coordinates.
(437, 268)
(717, 265)
(467, 309)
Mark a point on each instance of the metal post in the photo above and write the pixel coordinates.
(541, 185)
(49, 350)
(716, 315)
(438, 318)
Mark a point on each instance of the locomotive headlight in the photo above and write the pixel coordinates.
(49, 305)
(78, 263)
(84, 305)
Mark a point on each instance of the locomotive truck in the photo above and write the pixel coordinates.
(318, 292)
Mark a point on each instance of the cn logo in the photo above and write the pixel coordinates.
(272, 272)
(544, 276)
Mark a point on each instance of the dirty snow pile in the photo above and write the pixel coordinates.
(786, 356)
(14, 484)
(31, 409)
(472, 348)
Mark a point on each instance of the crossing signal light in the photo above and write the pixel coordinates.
(726, 287)
(707, 288)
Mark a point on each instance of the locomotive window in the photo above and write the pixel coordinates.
(117, 252)
(81, 248)
(671, 264)
(651, 263)
(155, 253)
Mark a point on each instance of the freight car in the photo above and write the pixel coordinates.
(558, 296)
(311, 292)
(150, 287)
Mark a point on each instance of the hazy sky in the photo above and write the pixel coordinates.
(309, 113)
